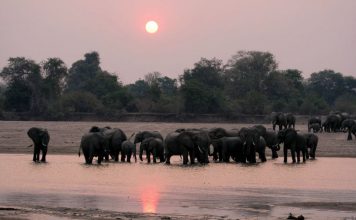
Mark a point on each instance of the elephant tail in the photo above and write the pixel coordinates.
(30, 145)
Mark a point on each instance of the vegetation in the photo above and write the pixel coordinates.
(249, 83)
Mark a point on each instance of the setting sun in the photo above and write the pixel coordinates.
(151, 27)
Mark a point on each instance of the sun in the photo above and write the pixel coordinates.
(151, 27)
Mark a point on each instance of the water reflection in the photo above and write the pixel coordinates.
(149, 199)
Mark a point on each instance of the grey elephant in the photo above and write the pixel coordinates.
(215, 134)
(332, 123)
(93, 144)
(278, 118)
(315, 128)
(253, 143)
(231, 147)
(311, 144)
(290, 120)
(193, 143)
(142, 135)
(114, 137)
(128, 149)
(40, 138)
(312, 121)
(346, 126)
(152, 146)
(294, 142)
(270, 138)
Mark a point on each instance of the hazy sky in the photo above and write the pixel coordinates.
(309, 35)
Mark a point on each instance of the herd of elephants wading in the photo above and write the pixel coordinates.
(239, 145)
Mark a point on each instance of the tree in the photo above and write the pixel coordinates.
(327, 84)
(202, 87)
(24, 81)
(55, 72)
(246, 72)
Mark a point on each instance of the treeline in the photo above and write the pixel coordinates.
(249, 83)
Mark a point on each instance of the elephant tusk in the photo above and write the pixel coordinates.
(200, 149)
(253, 143)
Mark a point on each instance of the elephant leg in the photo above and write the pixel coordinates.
(304, 155)
(192, 156)
(168, 159)
(123, 156)
(293, 154)
(148, 156)
(253, 157)
(298, 156)
(285, 152)
(312, 151)
(34, 154)
(307, 153)
(100, 158)
(274, 154)
(128, 157)
(185, 157)
(44, 153)
(274, 127)
(262, 156)
(349, 137)
(90, 159)
(106, 157)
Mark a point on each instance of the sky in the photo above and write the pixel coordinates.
(309, 35)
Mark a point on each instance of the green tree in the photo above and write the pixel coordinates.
(327, 84)
(202, 87)
(24, 81)
(246, 72)
(54, 71)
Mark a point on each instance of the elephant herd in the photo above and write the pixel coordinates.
(193, 145)
(334, 122)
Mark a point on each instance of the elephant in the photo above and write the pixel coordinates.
(142, 135)
(231, 147)
(290, 120)
(312, 144)
(346, 125)
(315, 128)
(313, 120)
(332, 123)
(278, 118)
(127, 149)
(93, 144)
(252, 142)
(192, 143)
(270, 138)
(115, 137)
(293, 141)
(217, 133)
(152, 146)
(40, 138)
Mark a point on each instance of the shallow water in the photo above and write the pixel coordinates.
(231, 190)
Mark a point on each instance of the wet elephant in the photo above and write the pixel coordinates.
(253, 143)
(311, 145)
(40, 138)
(93, 144)
(215, 134)
(128, 149)
(192, 143)
(270, 138)
(294, 142)
(152, 146)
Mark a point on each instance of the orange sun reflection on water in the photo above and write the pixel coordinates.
(149, 199)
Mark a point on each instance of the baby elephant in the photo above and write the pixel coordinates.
(128, 148)
(152, 146)
(40, 138)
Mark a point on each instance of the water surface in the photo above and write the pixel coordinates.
(219, 189)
